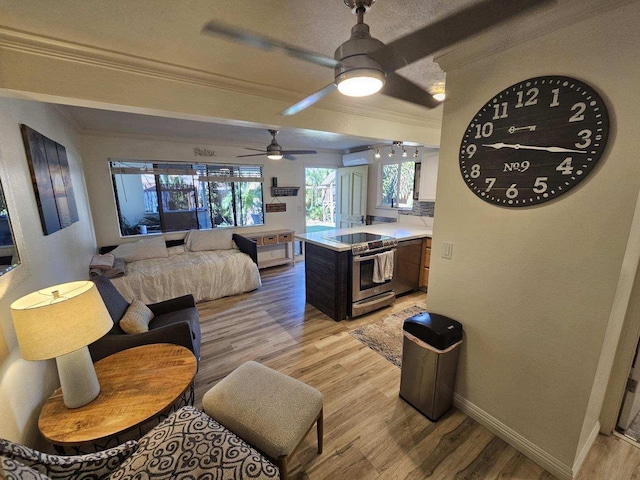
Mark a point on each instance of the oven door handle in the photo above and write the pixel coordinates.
(364, 258)
(376, 299)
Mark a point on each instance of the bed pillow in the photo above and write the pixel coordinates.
(203, 240)
(141, 250)
(177, 250)
(136, 319)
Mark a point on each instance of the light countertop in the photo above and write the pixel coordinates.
(400, 231)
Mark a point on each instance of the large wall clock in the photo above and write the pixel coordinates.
(534, 141)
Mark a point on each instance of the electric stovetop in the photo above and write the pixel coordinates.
(356, 238)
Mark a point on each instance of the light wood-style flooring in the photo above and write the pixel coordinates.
(369, 432)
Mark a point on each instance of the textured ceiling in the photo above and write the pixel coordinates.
(169, 32)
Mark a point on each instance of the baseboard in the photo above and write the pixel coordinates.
(513, 438)
(587, 447)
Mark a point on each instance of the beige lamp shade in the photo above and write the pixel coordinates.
(58, 320)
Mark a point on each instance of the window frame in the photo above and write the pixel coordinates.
(379, 193)
(236, 176)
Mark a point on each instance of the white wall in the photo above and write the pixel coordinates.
(374, 184)
(97, 150)
(534, 287)
(60, 257)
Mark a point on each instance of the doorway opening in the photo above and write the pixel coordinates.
(320, 199)
(629, 418)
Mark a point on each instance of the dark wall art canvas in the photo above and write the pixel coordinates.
(51, 178)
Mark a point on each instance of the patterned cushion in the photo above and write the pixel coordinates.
(191, 445)
(136, 319)
(13, 470)
(74, 467)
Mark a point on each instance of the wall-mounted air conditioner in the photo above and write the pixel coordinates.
(358, 158)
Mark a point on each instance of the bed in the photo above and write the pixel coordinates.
(207, 264)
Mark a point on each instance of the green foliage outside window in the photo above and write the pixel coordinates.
(153, 197)
(318, 181)
(397, 184)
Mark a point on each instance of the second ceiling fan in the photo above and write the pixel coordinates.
(363, 65)
(275, 152)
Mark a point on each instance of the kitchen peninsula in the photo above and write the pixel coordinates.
(336, 276)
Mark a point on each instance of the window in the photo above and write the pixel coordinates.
(169, 197)
(396, 184)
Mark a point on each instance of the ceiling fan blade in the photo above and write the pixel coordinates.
(265, 43)
(449, 30)
(298, 152)
(256, 149)
(252, 155)
(310, 100)
(399, 87)
(289, 157)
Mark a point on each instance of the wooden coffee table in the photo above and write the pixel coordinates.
(137, 386)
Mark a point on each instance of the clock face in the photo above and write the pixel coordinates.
(534, 141)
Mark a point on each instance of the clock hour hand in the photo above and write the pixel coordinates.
(517, 146)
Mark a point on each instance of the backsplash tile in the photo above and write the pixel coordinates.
(420, 209)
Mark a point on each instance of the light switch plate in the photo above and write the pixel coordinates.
(447, 250)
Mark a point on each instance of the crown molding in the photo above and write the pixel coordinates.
(77, 128)
(30, 43)
(535, 25)
(190, 141)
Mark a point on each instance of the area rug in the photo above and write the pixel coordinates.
(385, 336)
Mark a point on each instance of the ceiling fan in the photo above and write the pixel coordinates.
(364, 65)
(274, 150)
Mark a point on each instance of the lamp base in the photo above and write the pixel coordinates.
(78, 378)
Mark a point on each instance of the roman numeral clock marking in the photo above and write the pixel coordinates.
(534, 141)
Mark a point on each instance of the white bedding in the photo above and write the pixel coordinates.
(207, 275)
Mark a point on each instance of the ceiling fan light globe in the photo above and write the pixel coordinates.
(274, 156)
(360, 83)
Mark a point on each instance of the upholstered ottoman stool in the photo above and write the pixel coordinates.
(267, 409)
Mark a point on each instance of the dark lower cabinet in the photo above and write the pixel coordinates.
(327, 280)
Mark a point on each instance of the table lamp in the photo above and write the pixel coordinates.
(59, 322)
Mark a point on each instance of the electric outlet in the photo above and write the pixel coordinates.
(447, 250)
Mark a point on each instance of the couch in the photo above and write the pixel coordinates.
(175, 321)
(208, 264)
(187, 445)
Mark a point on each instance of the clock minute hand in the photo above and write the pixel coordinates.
(517, 146)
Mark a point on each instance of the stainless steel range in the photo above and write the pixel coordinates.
(367, 295)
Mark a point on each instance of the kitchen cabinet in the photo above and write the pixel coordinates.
(329, 266)
(327, 280)
(425, 261)
(264, 241)
(428, 177)
(408, 266)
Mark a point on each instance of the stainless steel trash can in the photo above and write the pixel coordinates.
(430, 351)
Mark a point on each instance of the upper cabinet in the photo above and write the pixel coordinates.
(428, 177)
